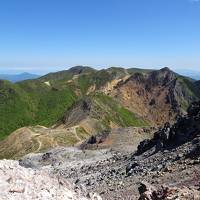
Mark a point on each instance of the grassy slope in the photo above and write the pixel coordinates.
(111, 111)
(190, 90)
(31, 103)
(15, 108)
(50, 103)
(138, 70)
(36, 139)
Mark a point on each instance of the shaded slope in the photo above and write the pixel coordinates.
(100, 112)
(197, 83)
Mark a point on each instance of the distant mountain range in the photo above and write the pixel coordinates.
(18, 77)
(189, 73)
(26, 76)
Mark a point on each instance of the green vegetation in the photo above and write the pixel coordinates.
(84, 82)
(138, 70)
(191, 87)
(31, 103)
(82, 134)
(15, 109)
(34, 102)
(111, 111)
(45, 100)
(190, 92)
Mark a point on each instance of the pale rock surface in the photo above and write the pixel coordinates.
(19, 183)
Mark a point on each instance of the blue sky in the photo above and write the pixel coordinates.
(49, 35)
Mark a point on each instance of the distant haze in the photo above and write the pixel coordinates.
(42, 71)
(15, 76)
(18, 77)
(190, 73)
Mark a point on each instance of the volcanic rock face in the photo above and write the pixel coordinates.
(158, 96)
(146, 95)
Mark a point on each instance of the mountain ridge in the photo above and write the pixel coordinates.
(46, 99)
(141, 92)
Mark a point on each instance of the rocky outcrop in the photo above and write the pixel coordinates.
(78, 112)
(185, 129)
(19, 183)
(95, 140)
(149, 192)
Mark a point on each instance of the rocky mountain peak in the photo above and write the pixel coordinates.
(165, 69)
(79, 69)
(162, 77)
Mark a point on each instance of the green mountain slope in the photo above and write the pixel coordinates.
(98, 112)
(31, 103)
(44, 101)
(87, 117)
(15, 108)
(112, 111)
(138, 70)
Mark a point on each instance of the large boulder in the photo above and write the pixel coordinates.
(149, 192)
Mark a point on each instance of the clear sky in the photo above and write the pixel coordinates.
(50, 35)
